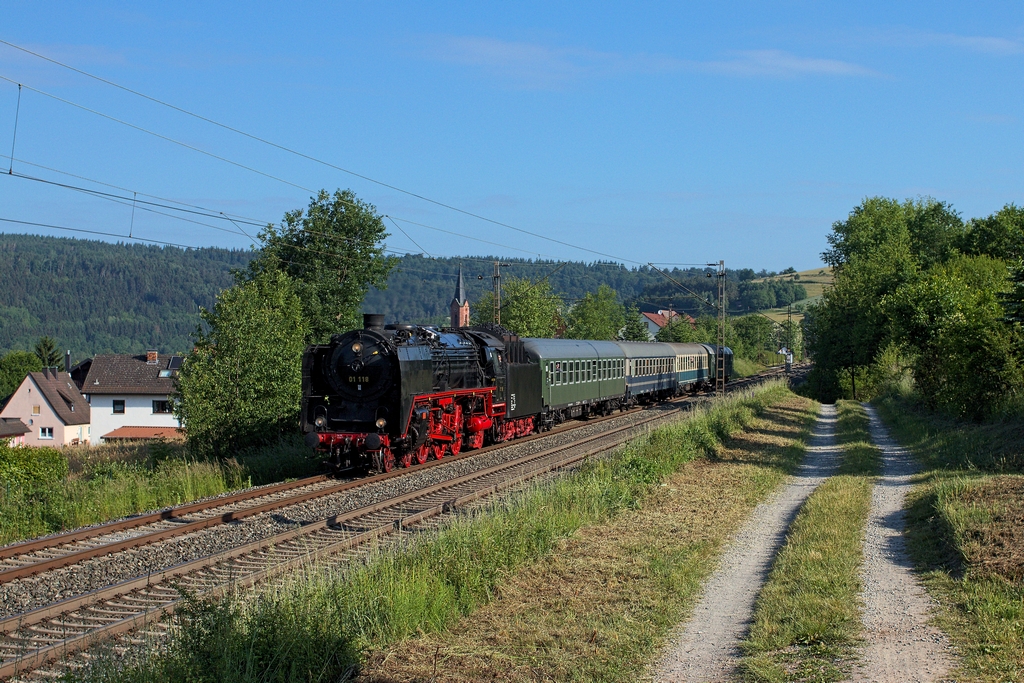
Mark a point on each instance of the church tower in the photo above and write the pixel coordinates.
(459, 307)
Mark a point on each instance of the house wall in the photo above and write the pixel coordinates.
(20, 406)
(138, 412)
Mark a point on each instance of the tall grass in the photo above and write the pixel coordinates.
(807, 616)
(107, 482)
(316, 626)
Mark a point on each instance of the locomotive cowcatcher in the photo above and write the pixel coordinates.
(402, 394)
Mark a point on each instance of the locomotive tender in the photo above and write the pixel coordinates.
(402, 394)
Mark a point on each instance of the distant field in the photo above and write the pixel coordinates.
(814, 281)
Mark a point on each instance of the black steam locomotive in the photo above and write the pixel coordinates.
(402, 394)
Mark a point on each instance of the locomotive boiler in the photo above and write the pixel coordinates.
(399, 394)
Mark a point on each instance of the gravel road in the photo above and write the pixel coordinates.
(900, 644)
(706, 649)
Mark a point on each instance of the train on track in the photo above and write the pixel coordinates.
(389, 395)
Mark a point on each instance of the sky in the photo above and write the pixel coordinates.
(673, 133)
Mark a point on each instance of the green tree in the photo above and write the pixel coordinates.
(1000, 235)
(679, 330)
(47, 352)
(754, 337)
(241, 385)
(636, 329)
(333, 252)
(527, 309)
(13, 368)
(951, 319)
(598, 315)
(1013, 300)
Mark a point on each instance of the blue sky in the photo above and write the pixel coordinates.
(667, 132)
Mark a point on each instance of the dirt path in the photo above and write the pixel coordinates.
(706, 649)
(899, 645)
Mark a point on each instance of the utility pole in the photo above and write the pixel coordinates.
(789, 332)
(720, 364)
(496, 278)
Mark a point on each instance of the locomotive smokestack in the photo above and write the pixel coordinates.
(373, 321)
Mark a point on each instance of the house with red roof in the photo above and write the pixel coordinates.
(657, 321)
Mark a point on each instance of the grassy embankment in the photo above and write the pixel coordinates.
(579, 578)
(807, 617)
(966, 533)
(46, 490)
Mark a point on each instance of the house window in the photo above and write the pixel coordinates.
(46, 432)
(165, 373)
(118, 406)
(161, 406)
(35, 410)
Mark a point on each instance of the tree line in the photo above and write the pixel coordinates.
(923, 300)
(97, 297)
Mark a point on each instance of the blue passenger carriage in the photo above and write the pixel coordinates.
(650, 370)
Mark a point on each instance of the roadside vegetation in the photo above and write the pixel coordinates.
(925, 317)
(966, 532)
(580, 577)
(807, 617)
(46, 490)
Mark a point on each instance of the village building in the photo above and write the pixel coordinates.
(50, 405)
(130, 396)
(658, 321)
(459, 307)
(12, 431)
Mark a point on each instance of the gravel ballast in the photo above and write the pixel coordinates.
(707, 647)
(899, 642)
(23, 595)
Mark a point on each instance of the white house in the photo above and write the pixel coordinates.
(52, 408)
(657, 321)
(130, 396)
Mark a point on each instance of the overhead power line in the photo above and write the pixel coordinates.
(278, 146)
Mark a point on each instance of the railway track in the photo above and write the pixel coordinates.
(34, 637)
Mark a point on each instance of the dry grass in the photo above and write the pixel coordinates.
(600, 606)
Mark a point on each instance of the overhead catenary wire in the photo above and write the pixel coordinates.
(280, 147)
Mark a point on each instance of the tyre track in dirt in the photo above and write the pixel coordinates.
(707, 647)
(900, 644)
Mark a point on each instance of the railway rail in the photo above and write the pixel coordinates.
(30, 639)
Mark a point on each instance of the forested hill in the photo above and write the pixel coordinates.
(94, 297)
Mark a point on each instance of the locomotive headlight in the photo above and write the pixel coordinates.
(357, 347)
(381, 423)
(320, 421)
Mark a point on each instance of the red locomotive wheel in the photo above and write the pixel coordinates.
(407, 459)
(438, 449)
(423, 453)
(388, 460)
(457, 443)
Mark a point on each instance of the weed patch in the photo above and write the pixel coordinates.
(45, 490)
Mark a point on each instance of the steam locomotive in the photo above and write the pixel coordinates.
(402, 394)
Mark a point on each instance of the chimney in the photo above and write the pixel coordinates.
(373, 321)
(152, 357)
(67, 361)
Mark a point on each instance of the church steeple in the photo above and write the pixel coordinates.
(459, 307)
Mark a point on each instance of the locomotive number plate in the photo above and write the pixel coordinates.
(354, 379)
